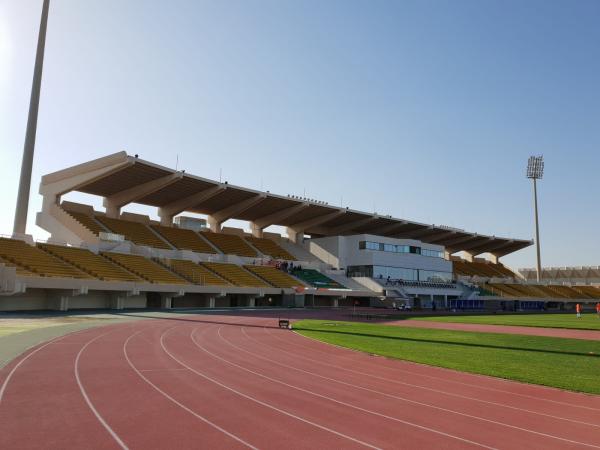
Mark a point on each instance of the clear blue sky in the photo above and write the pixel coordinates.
(425, 110)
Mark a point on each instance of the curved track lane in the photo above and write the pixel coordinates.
(238, 382)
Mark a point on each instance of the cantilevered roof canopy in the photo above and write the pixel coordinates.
(122, 179)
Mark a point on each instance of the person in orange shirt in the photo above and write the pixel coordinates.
(578, 310)
(598, 309)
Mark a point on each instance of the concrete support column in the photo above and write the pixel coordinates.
(112, 210)
(213, 224)
(252, 302)
(296, 236)
(211, 302)
(336, 302)
(166, 219)
(447, 255)
(495, 259)
(445, 301)
(468, 256)
(62, 303)
(166, 301)
(257, 231)
(117, 301)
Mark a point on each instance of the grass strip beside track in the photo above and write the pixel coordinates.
(572, 364)
(588, 321)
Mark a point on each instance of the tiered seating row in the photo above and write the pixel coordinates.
(270, 248)
(230, 244)
(135, 232)
(481, 269)
(184, 239)
(88, 221)
(195, 273)
(542, 291)
(145, 268)
(274, 276)
(91, 263)
(71, 262)
(20, 270)
(181, 238)
(235, 274)
(591, 291)
(37, 261)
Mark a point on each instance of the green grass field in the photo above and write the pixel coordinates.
(564, 363)
(588, 321)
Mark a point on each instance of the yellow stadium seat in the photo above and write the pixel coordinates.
(87, 221)
(235, 274)
(270, 248)
(195, 273)
(274, 276)
(230, 244)
(145, 268)
(37, 261)
(184, 239)
(91, 263)
(138, 233)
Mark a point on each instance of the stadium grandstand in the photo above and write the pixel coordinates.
(328, 256)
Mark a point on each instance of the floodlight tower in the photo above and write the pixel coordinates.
(535, 171)
(20, 223)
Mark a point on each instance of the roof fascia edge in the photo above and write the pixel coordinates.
(65, 185)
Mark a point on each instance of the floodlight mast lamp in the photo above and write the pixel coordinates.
(535, 171)
(20, 224)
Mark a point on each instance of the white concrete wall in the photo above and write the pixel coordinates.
(343, 251)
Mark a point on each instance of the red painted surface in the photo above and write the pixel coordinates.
(236, 380)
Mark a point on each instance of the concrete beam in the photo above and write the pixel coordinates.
(406, 230)
(316, 221)
(510, 247)
(231, 211)
(167, 212)
(276, 217)
(384, 230)
(419, 233)
(115, 202)
(442, 237)
(487, 247)
(434, 237)
(452, 243)
(333, 231)
(467, 247)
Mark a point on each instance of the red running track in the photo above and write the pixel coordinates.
(235, 381)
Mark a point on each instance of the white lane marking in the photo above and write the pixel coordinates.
(181, 405)
(29, 355)
(349, 405)
(438, 391)
(471, 385)
(267, 405)
(428, 405)
(112, 432)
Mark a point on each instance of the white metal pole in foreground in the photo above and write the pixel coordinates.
(20, 223)
(537, 231)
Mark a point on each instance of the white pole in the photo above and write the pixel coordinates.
(20, 224)
(537, 231)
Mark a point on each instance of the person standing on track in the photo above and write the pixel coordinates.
(578, 310)
(598, 309)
